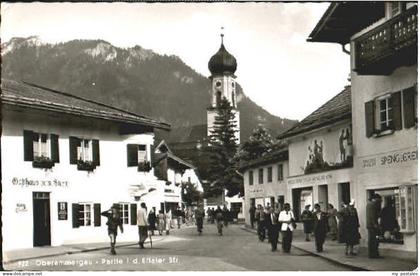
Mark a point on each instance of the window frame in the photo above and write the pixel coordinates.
(261, 176)
(280, 173)
(270, 174)
(85, 150)
(125, 207)
(84, 217)
(388, 123)
(251, 177)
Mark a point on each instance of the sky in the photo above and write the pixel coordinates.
(277, 68)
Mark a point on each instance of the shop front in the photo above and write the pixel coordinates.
(393, 176)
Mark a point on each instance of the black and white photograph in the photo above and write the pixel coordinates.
(209, 136)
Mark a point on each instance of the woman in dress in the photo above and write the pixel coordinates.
(307, 220)
(351, 228)
(152, 221)
(332, 221)
(161, 222)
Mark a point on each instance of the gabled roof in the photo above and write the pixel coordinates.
(343, 19)
(335, 110)
(172, 158)
(37, 97)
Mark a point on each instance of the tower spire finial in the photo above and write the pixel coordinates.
(221, 33)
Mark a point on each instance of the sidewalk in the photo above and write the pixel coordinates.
(334, 252)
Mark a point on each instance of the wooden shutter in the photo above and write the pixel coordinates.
(97, 214)
(55, 157)
(409, 106)
(75, 215)
(132, 152)
(28, 145)
(95, 152)
(370, 118)
(396, 110)
(73, 142)
(133, 214)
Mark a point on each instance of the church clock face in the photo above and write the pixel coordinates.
(218, 83)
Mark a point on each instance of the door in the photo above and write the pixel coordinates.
(344, 193)
(323, 197)
(41, 218)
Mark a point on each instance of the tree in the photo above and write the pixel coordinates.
(190, 194)
(259, 143)
(221, 152)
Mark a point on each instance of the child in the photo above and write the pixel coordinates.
(114, 221)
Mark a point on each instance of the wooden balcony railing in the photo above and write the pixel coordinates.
(388, 46)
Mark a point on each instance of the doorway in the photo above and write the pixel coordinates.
(323, 197)
(41, 218)
(344, 193)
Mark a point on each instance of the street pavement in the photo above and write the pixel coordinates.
(184, 249)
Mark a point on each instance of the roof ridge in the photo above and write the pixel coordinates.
(83, 99)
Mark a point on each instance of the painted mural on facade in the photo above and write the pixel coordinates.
(316, 154)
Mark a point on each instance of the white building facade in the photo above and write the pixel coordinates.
(66, 160)
(383, 54)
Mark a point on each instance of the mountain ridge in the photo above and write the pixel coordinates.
(133, 78)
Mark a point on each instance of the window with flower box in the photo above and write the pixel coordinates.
(84, 153)
(137, 157)
(41, 148)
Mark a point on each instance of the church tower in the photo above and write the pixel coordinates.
(222, 66)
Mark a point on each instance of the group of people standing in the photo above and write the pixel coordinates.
(342, 225)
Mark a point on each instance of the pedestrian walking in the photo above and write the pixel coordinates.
(259, 217)
(372, 215)
(388, 219)
(226, 215)
(351, 228)
(320, 227)
(142, 224)
(178, 216)
(252, 210)
(199, 217)
(273, 229)
(161, 222)
(168, 223)
(332, 221)
(212, 215)
(114, 221)
(267, 222)
(151, 218)
(287, 220)
(219, 220)
(307, 220)
(208, 214)
(340, 228)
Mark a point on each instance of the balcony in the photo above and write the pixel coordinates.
(388, 46)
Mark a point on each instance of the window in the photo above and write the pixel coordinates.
(251, 178)
(41, 145)
(84, 150)
(394, 8)
(280, 172)
(124, 213)
(85, 214)
(398, 212)
(384, 114)
(141, 153)
(260, 176)
(41, 149)
(270, 174)
(84, 153)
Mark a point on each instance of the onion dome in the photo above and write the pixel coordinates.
(222, 62)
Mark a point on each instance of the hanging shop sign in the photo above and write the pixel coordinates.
(25, 182)
(62, 211)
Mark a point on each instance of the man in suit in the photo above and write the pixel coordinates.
(273, 229)
(320, 227)
(373, 208)
(287, 222)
